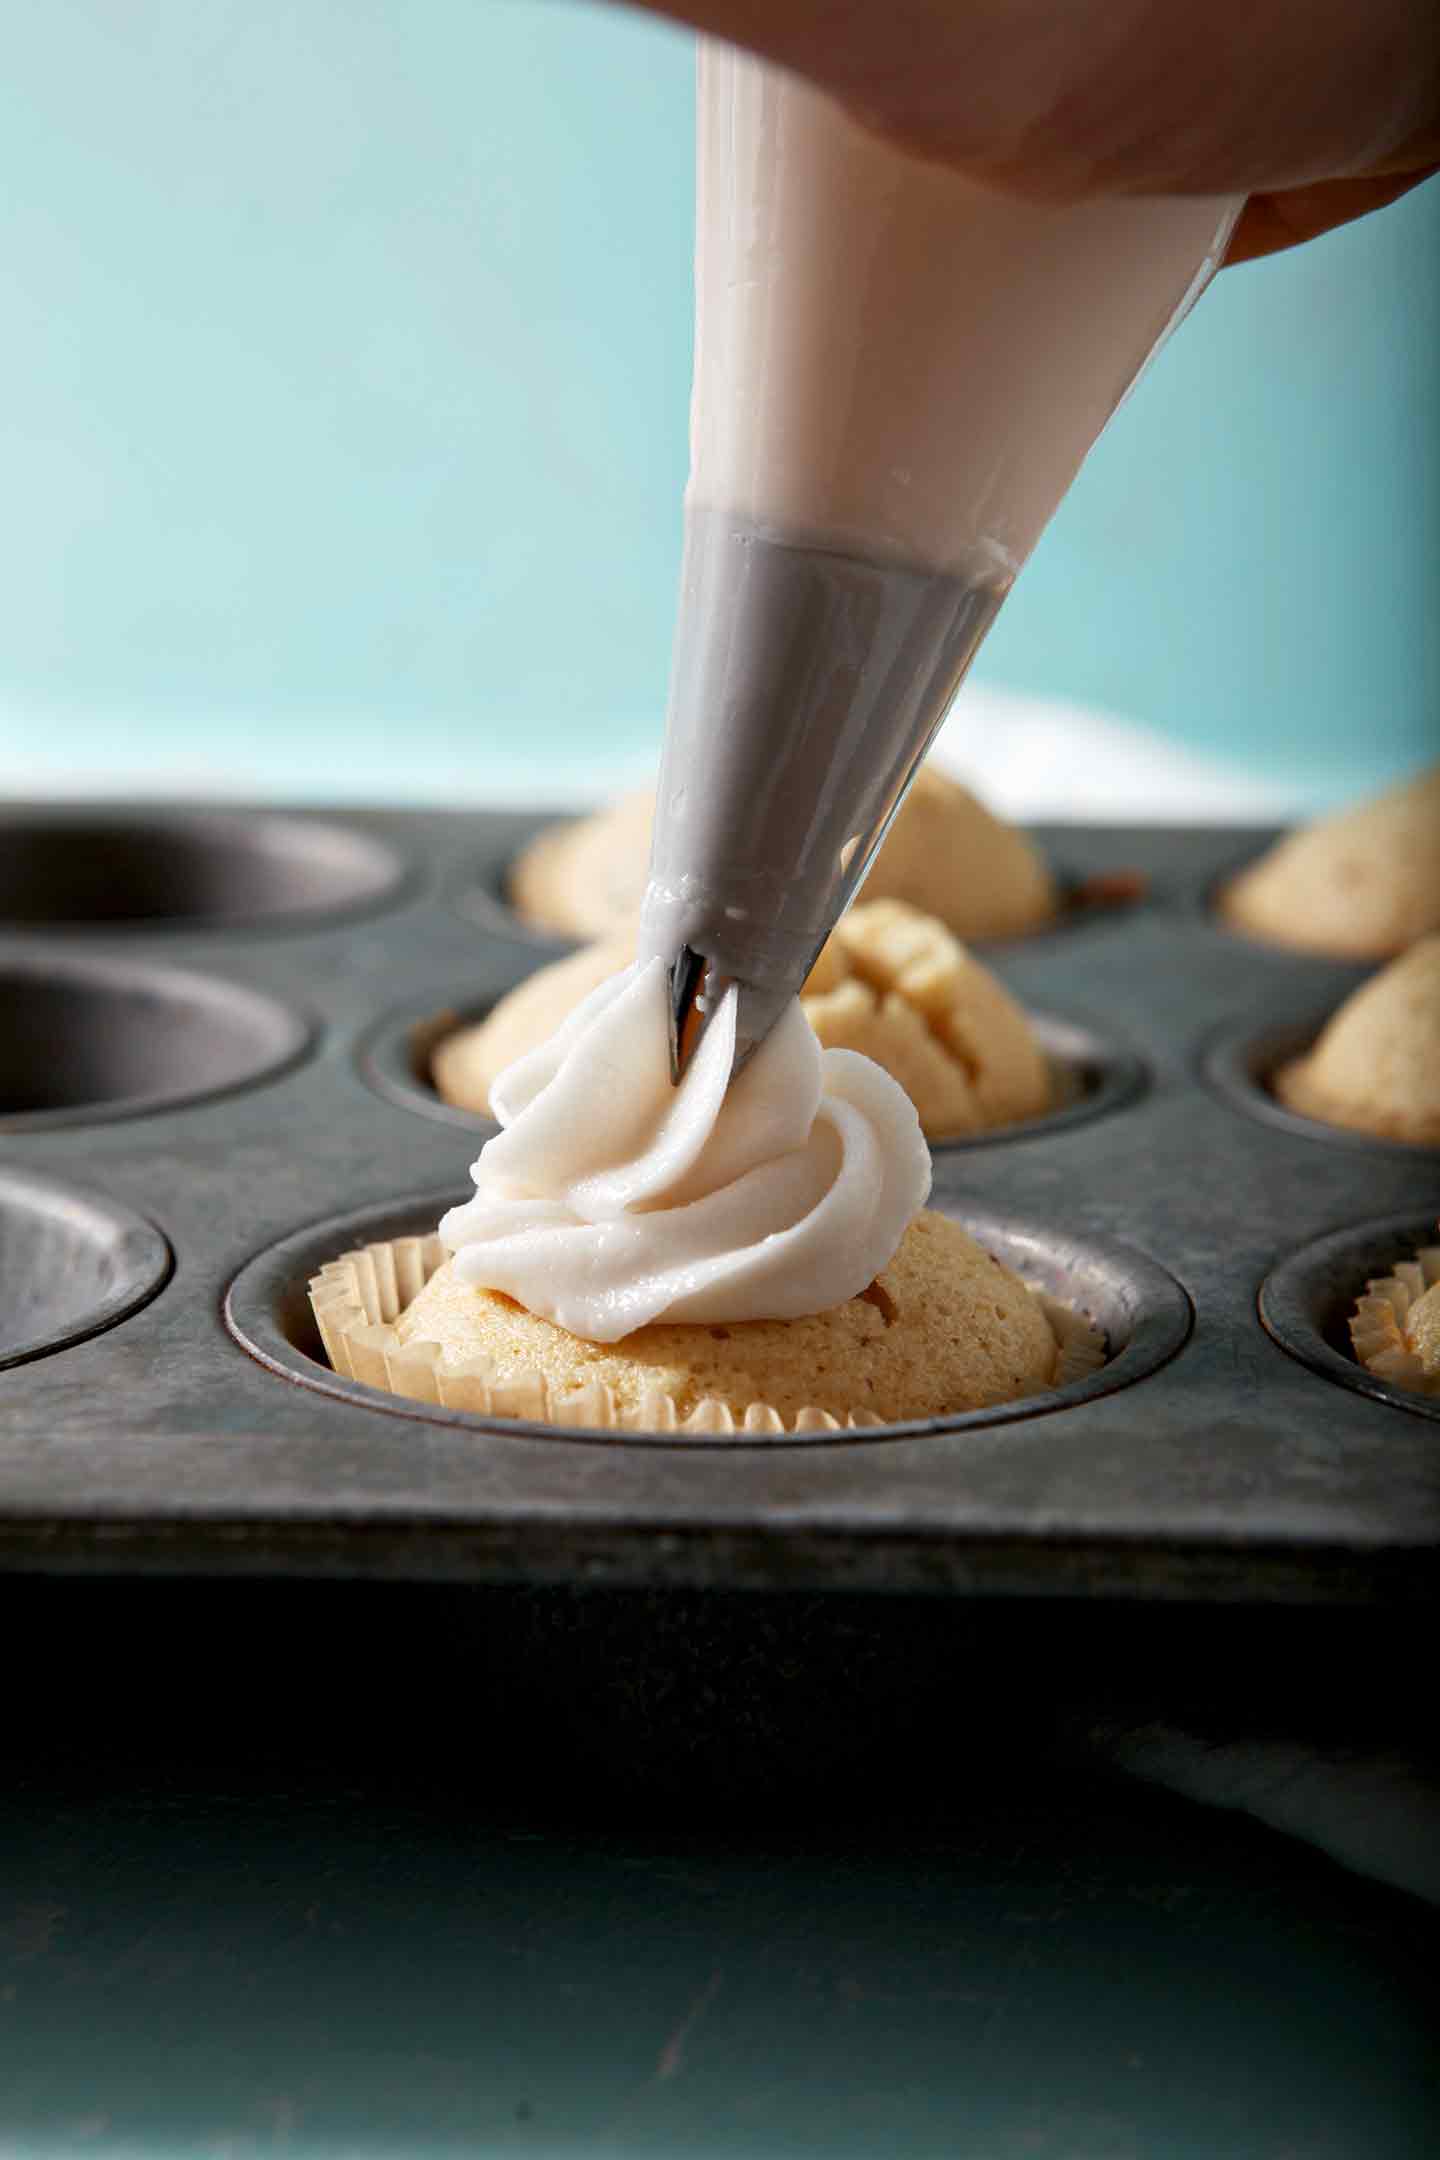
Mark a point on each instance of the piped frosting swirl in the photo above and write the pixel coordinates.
(611, 1199)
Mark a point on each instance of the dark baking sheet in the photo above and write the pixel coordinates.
(1239, 1463)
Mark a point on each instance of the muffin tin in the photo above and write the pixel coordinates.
(213, 1033)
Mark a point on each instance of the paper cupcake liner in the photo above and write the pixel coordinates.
(1378, 1333)
(358, 1297)
(1079, 1345)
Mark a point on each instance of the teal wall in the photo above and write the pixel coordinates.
(343, 379)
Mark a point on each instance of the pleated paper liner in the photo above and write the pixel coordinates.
(358, 1297)
(1382, 1326)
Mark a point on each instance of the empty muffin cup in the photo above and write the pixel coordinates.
(179, 870)
(81, 1040)
(71, 1263)
(1141, 1313)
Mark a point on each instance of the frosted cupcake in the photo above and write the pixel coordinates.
(891, 983)
(657, 1259)
(1395, 1327)
(945, 854)
(1361, 885)
(1376, 1065)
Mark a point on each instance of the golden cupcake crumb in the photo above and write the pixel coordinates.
(465, 1065)
(586, 878)
(898, 987)
(1362, 885)
(1376, 1065)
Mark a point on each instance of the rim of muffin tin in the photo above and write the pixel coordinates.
(1238, 1059)
(133, 1260)
(479, 892)
(271, 1038)
(1132, 1297)
(1305, 1302)
(324, 871)
(394, 1057)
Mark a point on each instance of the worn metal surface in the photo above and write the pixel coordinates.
(1231, 1471)
(71, 1263)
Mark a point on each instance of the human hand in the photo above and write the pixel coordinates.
(1317, 110)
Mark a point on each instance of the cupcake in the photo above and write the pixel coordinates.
(945, 854)
(586, 878)
(1395, 1327)
(891, 983)
(707, 1258)
(898, 987)
(1376, 1065)
(465, 1065)
(1361, 885)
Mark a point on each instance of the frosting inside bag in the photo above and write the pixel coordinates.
(611, 1199)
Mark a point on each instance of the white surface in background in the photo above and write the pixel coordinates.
(1050, 762)
(1029, 758)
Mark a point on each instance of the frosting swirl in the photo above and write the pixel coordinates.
(611, 1199)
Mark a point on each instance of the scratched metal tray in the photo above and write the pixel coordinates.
(213, 1032)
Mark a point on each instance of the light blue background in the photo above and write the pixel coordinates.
(343, 382)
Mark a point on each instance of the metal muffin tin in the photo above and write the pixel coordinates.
(188, 1423)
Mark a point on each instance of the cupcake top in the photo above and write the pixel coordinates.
(586, 878)
(891, 983)
(898, 987)
(1361, 885)
(612, 1199)
(465, 1065)
(1395, 1327)
(945, 854)
(1376, 1065)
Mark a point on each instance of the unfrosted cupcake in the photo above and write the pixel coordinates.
(586, 878)
(696, 1258)
(1362, 885)
(898, 987)
(465, 1065)
(1395, 1327)
(1376, 1065)
(945, 854)
(891, 983)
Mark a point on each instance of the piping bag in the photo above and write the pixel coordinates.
(897, 375)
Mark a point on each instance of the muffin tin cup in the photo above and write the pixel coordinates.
(72, 1263)
(1142, 1312)
(1305, 1303)
(1239, 1060)
(1092, 1076)
(94, 1039)
(107, 872)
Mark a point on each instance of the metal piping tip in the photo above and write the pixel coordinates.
(687, 1008)
(697, 990)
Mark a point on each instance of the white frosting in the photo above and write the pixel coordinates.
(611, 1199)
